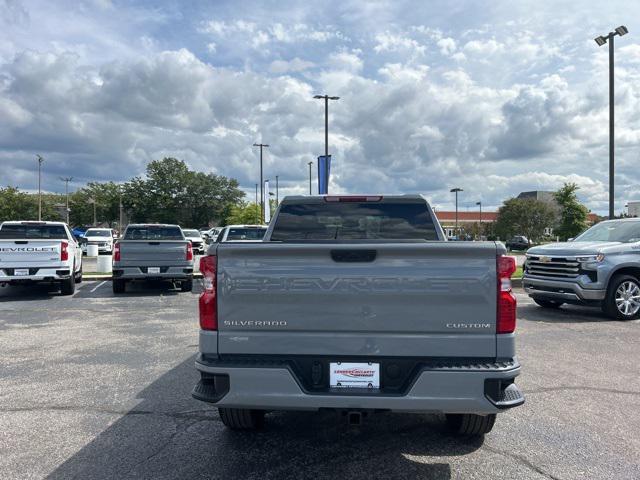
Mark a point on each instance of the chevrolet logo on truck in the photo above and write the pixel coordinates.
(27, 249)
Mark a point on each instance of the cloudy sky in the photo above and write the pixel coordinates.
(493, 97)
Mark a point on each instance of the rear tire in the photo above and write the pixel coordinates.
(79, 274)
(242, 418)
(68, 286)
(613, 304)
(470, 424)
(119, 286)
(548, 303)
(186, 285)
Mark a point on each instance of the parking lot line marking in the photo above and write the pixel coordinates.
(98, 286)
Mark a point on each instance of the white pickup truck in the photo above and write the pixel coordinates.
(39, 252)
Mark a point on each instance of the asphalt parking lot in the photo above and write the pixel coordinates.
(97, 386)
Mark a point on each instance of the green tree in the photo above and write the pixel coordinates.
(573, 215)
(525, 216)
(107, 199)
(17, 205)
(172, 193)
(243, 214)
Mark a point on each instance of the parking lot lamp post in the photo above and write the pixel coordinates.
(256, 204)
(310, 163)
(40, 160)
(601, 40)
(120, 210)
(480, 206)
(277, 197)
(261, 145)
(326, 99)
(456, 190)
(66, 181)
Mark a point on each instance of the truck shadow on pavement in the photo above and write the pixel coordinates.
(565, 314)
(29, 292)
(170, 435)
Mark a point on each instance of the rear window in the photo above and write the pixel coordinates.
(97, 233)
(54, 232)
(354, 221)
(153, 233)
(246, 234)
(191, 233)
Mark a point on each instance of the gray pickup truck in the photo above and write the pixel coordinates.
(358, 304)
(152, 252)
(599, 268)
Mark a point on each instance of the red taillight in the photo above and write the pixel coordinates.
(189, 251)
(370, 198)
(208, 301)
(506, 308)
(116, 252)
(64, 251)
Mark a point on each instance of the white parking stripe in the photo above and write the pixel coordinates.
(98, 286)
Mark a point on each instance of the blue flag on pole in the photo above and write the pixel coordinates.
(324, 172)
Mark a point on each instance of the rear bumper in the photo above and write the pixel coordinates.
(141, 273)
(558, 290)
(435, 390)
(48, 274)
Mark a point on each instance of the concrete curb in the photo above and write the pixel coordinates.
(107, 276)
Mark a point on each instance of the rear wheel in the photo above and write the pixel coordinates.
(548, 303)
(242, 418)
(79, 274)
(623, 298)
(118, 286)
(186, 285)
(469, 424)
(68, 286)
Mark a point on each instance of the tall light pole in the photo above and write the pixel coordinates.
(277, 197)
(120, 211)
(326, 99)
(601, 40)
(310, 163)
(480, 205)
(95, 220)
(40, 160)
(456, 190)
(256, 203)
(261, 145)
(66, 181)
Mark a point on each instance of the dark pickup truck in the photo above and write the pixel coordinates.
(152, 252)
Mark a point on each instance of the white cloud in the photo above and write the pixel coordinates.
(295, 65)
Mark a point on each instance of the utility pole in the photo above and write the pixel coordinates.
(310, 163)
(326, 99)
(456, 190)
(261, 145)
(120, 211)
(277, 197)
(66, 181)
(40, 160)
(601, 40)
(256, 204)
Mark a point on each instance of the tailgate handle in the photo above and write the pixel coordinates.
(21, 242)
(353, 255)
(154, 243)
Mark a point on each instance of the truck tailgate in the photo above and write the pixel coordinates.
(150, 253)
(422, 299)
(30, 253)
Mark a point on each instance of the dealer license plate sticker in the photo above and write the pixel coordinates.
(21, 272)
(354, 375)
(154, 269)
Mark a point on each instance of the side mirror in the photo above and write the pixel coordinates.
(570, 239)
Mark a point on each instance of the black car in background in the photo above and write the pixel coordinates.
(518, 242)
